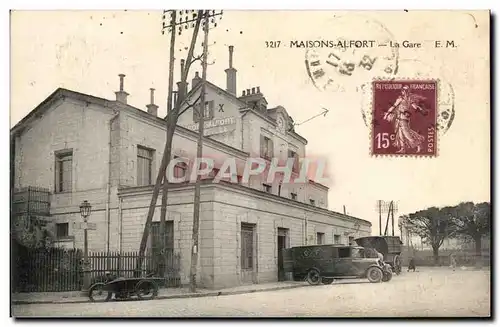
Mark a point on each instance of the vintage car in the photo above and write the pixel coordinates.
(324, 263)
(389, 246)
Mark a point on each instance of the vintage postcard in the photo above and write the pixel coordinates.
(209, 163)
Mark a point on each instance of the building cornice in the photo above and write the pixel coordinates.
(261, 195)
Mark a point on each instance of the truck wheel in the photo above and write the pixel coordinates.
(327, 281)
(374, 274)
(313, 277)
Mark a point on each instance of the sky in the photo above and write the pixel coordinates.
(85, 51)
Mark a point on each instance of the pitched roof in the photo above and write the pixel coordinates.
(62, 93)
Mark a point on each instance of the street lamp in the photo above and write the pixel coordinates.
(85, 210)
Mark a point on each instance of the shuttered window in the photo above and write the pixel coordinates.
(155, 236)
(64, 171)
(295, 156)
(208, 111)
(155, 245)
(144, 166)
(266, 147)
(247, 244)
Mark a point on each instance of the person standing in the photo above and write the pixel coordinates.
(453, 261)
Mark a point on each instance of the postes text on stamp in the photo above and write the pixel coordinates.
(404, 117)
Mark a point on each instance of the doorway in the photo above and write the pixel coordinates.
(247, 253)
(282, 242)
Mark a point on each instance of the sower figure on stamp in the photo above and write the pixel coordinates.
(405, 137)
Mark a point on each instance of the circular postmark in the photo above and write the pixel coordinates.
(416, 69)
(353, 49)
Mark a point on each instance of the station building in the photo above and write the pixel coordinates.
(82, 147)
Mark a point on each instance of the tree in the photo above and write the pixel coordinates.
(473, 221)
(433, 225)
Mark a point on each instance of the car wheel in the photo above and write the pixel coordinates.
(97, 293)
(387, 276)
(313, 277)
(374, 274)
(327, 281)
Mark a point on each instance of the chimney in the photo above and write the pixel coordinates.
(152, 107)
(231, 74)
(195, 81)
(180, 82)
(175, 98)
(253, 90)
(121, 96)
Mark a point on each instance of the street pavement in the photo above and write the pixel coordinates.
(425, 293)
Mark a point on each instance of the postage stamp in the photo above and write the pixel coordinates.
(404, 117)
(420, 70)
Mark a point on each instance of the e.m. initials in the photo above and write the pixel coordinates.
(444, 44)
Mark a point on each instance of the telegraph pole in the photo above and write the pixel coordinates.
(164, 197)
(199, 153)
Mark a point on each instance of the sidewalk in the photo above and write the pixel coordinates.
(163, 293)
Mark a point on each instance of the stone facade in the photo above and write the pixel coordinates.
(224, 207)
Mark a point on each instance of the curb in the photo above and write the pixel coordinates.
(165, 297)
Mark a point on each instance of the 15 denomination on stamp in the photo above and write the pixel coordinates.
(404, 117)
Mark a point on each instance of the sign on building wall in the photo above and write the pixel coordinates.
(215, 126)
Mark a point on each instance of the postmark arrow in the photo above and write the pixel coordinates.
(324, 112)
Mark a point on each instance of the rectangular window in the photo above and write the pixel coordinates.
(267, 188)
(207, 111)
(144, 166)
(344, 252)
(266, 147)
(64, 171)
(62, 230)
(295, 156)
(293, 196)
(247, 245)
(320, 238)
(312, 202)
(180, 169)
(336, 239)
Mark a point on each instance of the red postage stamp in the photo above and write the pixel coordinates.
(404, 117)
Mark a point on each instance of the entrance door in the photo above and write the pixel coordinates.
(247, 253)
(282, 244)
